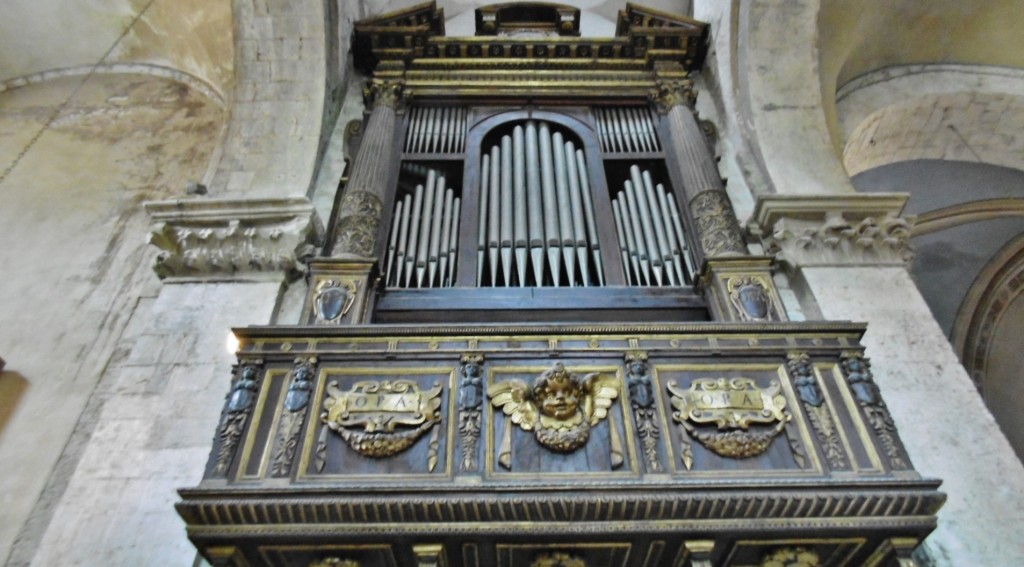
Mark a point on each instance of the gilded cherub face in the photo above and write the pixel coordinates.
(558, 395)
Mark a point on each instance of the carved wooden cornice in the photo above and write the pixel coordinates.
(233, 239)
(411, 45)
(834, 230)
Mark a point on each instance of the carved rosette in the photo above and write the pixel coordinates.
(470, 409)
(233, 239)
(641, 398)
(857, 370)
(860, 230)
(358, 221)
(716, 224)
(295, 402)
(240, 400)
(807, 389)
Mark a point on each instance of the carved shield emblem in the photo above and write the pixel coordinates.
(334, 299)
(754, 301)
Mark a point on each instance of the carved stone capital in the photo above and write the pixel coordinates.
(668, 93)
(839, 230)
(389, 94)
(233, 239)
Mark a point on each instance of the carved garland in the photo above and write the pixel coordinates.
(716, 224)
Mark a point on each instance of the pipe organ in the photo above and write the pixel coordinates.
(538, 338)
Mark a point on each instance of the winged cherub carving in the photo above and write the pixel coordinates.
(560, 408)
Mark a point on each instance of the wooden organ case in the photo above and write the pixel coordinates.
(537, 338)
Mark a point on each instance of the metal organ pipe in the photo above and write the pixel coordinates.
(650, 233)
(481, 235)
(534, 203)
(519, 224)
(539, 202)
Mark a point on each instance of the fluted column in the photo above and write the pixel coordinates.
(738, 287)
(716, 226)
(359, 213)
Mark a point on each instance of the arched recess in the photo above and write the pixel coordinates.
(987, 332)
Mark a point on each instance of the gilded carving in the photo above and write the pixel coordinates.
(335, 562)
(236, 414)
(558, 559)
(334, 298)
(733, 405)
(858, 375)
(358, 221)
(791, 557)
(295, 401)
(470, 409)
(560, 409)
(716, 224)
(809, 392)
(382, 418)
(669, 93)
(389, 94)
(641, 398)
(750, 299)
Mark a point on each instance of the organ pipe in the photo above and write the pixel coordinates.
(626, 130)
(424, 236)
(544, 217)
(650, 232)
(436, 130)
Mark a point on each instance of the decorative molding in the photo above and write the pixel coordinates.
(233, 239)
(965, 213)
(834, 230)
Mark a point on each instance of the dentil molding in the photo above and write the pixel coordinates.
(233, 239)
(834, 230)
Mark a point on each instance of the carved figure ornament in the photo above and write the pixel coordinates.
(560, 408)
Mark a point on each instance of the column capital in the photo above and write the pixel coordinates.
(388, 93)
(834, 230)
(669, 93)
(233, 239)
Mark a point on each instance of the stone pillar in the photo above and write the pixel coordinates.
(852, 251)
(739, 287)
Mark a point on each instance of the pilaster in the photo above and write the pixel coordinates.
(853, 252)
